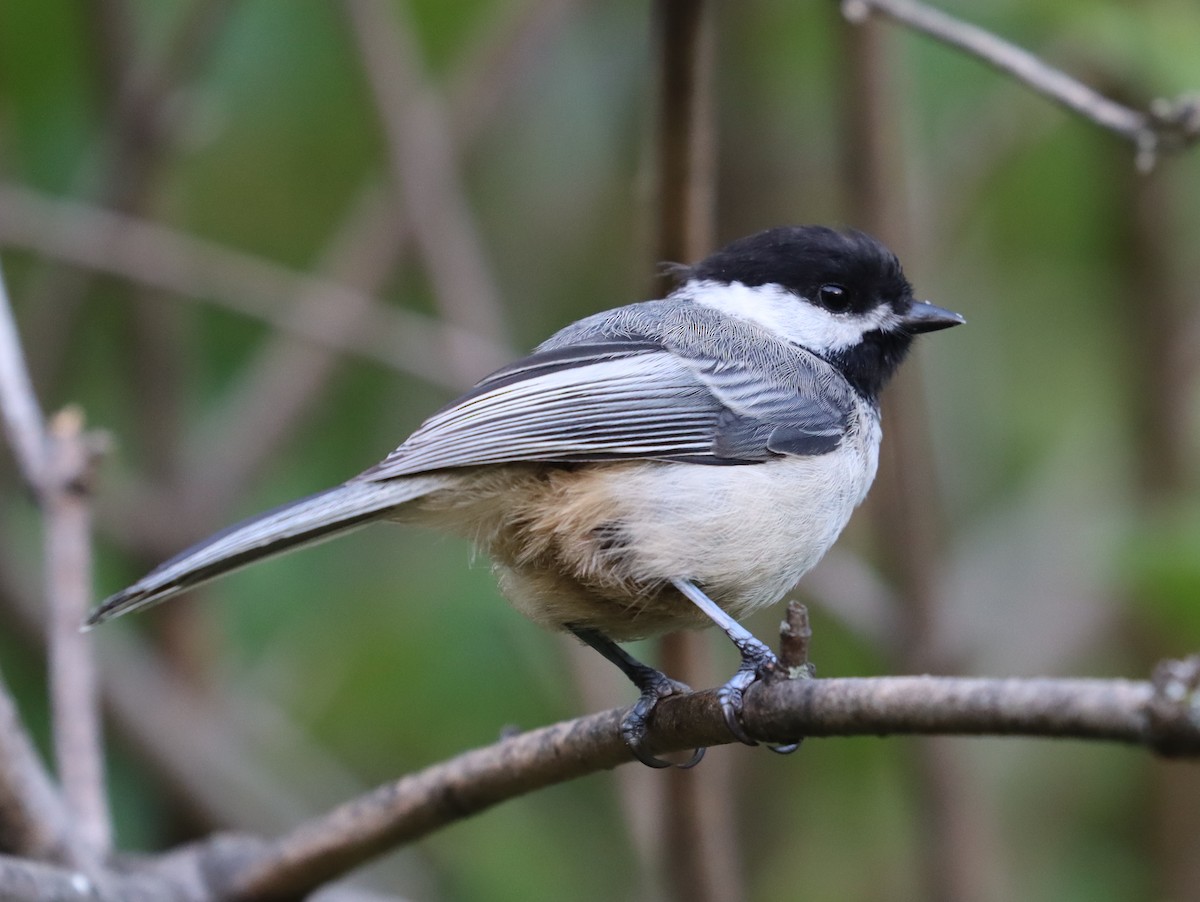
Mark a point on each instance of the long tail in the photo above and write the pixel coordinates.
(304, 522)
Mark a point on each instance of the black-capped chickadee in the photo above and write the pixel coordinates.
(655, 467)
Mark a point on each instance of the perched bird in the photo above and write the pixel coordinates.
(660, 466)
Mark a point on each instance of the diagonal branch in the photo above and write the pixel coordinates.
(497, 59)
(1168, 126)
(423, 160)
(23, 423)
(162, 257)
(286, 376)
(123, 164)
(33, 821)
(1163, 715)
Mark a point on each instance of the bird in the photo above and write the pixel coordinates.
(664, 465)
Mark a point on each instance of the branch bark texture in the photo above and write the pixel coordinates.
(1163, 715)
(1168, 125)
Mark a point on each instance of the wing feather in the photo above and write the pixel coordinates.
(618, 400)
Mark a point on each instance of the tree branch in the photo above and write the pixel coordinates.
(121, 168)
(422, 161)
(31, 881)
(1168, 126)
(71, 456)
(159, 256)
(23, 423)
(1163, 715)
(33, 821)
(57, 462)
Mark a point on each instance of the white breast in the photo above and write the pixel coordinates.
(746, 533)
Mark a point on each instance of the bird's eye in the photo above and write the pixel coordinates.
(834, 297)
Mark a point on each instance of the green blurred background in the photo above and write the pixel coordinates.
(1057, 431)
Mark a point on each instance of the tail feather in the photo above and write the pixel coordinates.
(304, 522)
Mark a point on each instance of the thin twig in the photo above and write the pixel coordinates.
(121, 168)
(795, 637)
(33, 821)
(23, 423)
(285, 377)
(56, 460)
(498, 58)
(423, 163)
(209, 750)
(1169, 125)
(161, 257)
(78, 743)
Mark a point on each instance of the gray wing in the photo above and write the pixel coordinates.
(619, 399)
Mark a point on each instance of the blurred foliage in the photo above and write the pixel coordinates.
(392, 649)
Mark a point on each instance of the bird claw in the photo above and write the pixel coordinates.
(758, 662)
(731, 697)
(633, 725)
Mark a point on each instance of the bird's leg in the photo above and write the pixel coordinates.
(654, 686)
(757, 660)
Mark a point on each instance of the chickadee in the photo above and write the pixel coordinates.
(659, 466)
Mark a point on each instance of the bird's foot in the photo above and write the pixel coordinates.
(655, 686)
(758, 662)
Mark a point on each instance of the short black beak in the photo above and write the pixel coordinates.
(925, 317)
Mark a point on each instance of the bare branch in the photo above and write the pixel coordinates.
(23, 421)
(285, 377)
(1169, 125)
(30, 881)
(504, 51)
(161, 257)
(33, 821)
(795, 637)
(71, 458)
(423, 164)
(1164, 716)
(57, 462)
(121, 169)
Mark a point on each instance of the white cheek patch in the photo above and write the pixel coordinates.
(789, 316)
